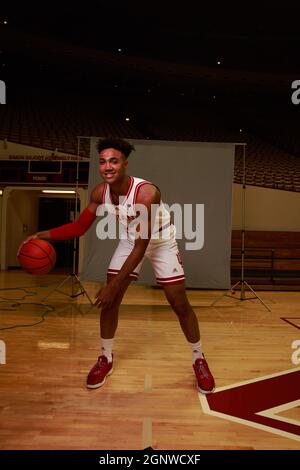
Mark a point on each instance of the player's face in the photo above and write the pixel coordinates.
(112, 165)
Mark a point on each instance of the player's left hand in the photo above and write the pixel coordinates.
(106, 295)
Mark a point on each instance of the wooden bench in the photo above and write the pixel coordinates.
(272, 256)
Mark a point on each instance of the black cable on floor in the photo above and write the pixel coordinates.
(48, 308)
(15, 305)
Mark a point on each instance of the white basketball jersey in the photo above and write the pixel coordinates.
(126, 211)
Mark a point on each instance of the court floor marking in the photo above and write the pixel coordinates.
(269, 412)
(273, 412)
(147, 433)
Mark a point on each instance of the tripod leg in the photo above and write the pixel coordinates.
(73, 295)
(76, 286)
(235, 285)
(74, 292)
(225, 294)
(57, 287)
(243, 296)
(83, 289)
(249, 287)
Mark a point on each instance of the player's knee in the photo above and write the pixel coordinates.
(180, 307)
(112, 310)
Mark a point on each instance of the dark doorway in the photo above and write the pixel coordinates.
(54, 212)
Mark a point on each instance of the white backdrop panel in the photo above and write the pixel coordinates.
(186, 173)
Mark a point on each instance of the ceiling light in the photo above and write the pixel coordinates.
(58, 191)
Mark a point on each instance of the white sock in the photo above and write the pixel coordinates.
(196, 351)
(106, 348)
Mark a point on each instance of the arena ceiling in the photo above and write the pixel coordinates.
(155, 53)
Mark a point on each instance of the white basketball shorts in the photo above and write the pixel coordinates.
(164, 257)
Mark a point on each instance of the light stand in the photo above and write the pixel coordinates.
(241, 282)
(77, 287)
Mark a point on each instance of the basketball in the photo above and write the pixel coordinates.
(37, 256)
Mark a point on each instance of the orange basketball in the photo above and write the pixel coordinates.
(37, 256)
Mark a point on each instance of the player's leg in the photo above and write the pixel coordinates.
(176, 296)
(109, 317)
(108, 325)
(167, 264)
(178, 300)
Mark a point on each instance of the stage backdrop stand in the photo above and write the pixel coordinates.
(242, 283)
(77, 287)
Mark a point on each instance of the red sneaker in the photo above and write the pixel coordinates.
(98, 373)
(205, 380)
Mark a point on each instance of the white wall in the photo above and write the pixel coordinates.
(22, 217)
(266, 209)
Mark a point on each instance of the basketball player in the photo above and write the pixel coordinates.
(120, 194)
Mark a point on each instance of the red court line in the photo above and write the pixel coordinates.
(291, 323)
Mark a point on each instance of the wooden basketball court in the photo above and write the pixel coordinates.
(150, 399)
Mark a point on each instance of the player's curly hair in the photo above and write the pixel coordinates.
(119, 144)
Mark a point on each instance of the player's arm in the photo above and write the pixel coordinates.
(148, 196)
(82, 224)
(78, 227)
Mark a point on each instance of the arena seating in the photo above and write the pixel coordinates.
(271, 257)
(47, 127)
(58, 130)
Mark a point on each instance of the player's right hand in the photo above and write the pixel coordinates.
(30, 237)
